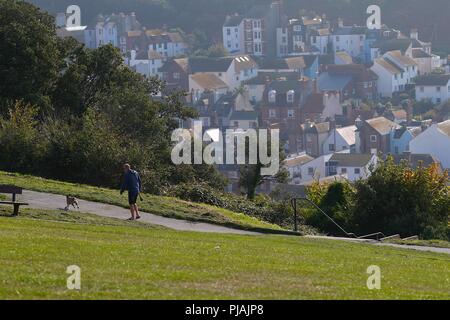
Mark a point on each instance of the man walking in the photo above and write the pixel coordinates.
(132, 183)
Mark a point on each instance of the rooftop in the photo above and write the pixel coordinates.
(351, 159)
(382, 125)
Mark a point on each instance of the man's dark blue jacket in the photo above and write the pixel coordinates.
(131, 182)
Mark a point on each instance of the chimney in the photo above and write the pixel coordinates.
(340, 23)
(409, 111)
(414, 34)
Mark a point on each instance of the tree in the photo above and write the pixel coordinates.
(29, 56)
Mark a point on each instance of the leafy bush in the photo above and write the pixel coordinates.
(395, 199)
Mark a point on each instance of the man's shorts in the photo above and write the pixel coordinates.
(132, 197)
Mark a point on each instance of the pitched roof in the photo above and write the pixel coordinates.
(203, 64)
(419, 53)
(347, 30)
(360, 72)
(344, 56)
(415, 160)
(322, 127)
(298, 160)
(433, 80)
(351, 159)
(388, 66)
(405, 61)
(444, 127)
(208, 81)
(244, 62)
(382, 125)
(348, 134)
(415, 131)
(393, 44)
(333, 82)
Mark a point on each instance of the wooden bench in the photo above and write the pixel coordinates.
(13, 191)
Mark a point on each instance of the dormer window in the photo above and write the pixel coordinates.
(272, 96)
(290, 96)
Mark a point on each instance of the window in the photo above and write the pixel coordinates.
(331, 147)
(438, 89)
(272, 96)
(272, 113)
(338, 38)
(314, 39)
(344, 171)
(290, 96)
(311, 171)
(357, 171)
(422, 89)
(438, 100)
(373, 138)
(176, 75)
(291, 113)
(228, 31)
(297, 28)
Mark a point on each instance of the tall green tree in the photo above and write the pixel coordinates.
(29, 55)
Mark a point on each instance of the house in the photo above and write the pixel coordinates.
(293, 165)
(352, 165)
(340, 139)
(415, 160)
(350, 40)
(175, 72)
(401, 137)
(363, 83)
(304, 65)
(320, 39)
(435, 141)
(201, 83)
(424, 61)
(434, 87)
(234, 34)
(168, 44)
(398, 116)
(315, 134)
(233, 70)
(244, 120)
(147, 63)
(282, 100)
(395, 73)
(257, 85)
(322, 106)
(313, 170)
(374, 135)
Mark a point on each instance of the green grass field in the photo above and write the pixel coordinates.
(131, 260)
(163, 206)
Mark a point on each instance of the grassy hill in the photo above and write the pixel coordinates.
(163, 206)
(129, 260)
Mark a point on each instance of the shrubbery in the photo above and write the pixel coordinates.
(262, 207)
(395, 199)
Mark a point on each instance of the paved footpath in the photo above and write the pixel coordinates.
(47, 201)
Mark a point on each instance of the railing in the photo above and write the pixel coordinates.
(348, 234)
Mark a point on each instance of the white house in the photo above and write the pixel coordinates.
(147, 63)
(232, 70)
(350, 40)
(168, 44)
(200, 83)
(340, 139)
(353, 166)
(294, 165)
(233, 34)
(435, 87)
(106, 32)
(435, 141)
(395, 72)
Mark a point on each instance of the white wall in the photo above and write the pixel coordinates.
(431, 92)
(433, 141)
(352, 44)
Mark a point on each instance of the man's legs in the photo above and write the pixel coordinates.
(132, 212)
(136, 211)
